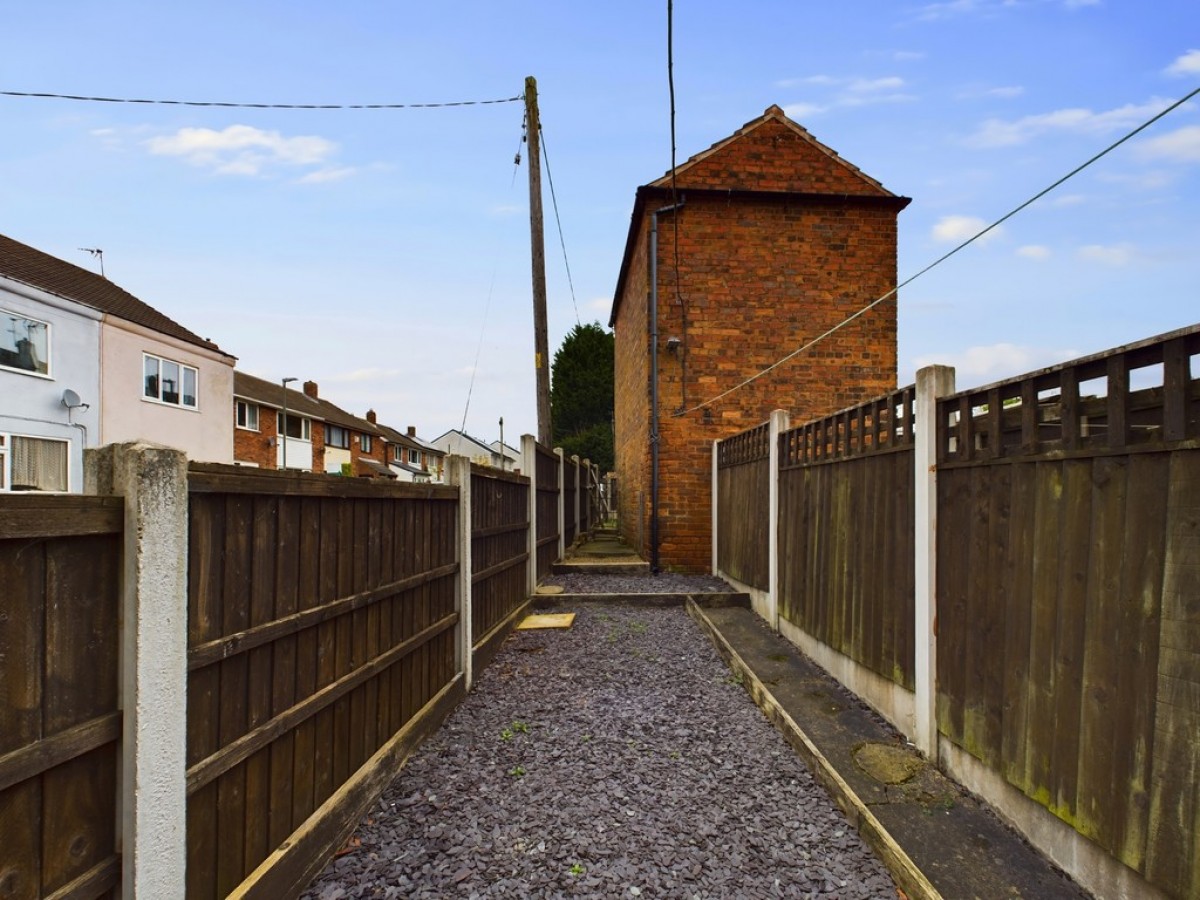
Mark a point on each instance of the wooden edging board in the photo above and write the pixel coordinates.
(910, 878)
(287, 871)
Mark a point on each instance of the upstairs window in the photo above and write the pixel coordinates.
(166, 381)
(364, 442)
(337, 436)
(414, 457)
(298, 427)
(247, 415)
(24, 344)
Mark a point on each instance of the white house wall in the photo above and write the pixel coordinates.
(335, 457)
(204, 433)
(31, 405)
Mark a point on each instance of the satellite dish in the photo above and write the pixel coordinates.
(70, 399)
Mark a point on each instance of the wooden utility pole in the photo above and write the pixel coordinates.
(541, 349)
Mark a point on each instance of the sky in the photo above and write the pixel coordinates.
(386, 253)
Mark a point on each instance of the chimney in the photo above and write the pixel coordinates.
(371, 416)
(310, 389)
(412, 431)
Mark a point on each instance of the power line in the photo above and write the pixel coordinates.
(937, 262)
(229, 105)
(561, 240)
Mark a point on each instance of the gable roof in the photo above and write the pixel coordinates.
(27, 265)
(270, 393)
(747, 165)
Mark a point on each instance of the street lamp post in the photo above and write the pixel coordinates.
(283, 429)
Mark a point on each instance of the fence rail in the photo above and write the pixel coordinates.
(499, 548)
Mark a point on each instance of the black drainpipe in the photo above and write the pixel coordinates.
(654, 435)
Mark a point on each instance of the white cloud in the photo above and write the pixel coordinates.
(510, 209)
(321, 176)
(846, 92)
(242, 149)
(1002, 133)
(1113, 255)
(1188, 64)
(907, 56)
(995, 361)
(955, 229)
(1181, 145)
(1034, 251)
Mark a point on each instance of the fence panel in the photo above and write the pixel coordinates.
(60, 564)
(499, 548)
(320, 620)
(570, 492)
(846, 532)
(546, 485)
(743, 489)
(1069, 655)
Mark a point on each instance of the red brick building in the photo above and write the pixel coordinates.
(777, 239)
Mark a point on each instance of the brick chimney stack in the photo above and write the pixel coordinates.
(310, 389)
(412, 431)
(371, 416)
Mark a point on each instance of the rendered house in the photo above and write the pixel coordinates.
(459, 443)
(85, 363)
(778, 239)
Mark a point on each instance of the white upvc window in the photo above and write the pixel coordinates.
(24, 344)
(299, 428)
(33, 463)
(247, 415)
(169, 382)
(414, 457)
(364, 442)
(337, 436)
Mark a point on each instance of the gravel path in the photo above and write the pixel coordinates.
(662, 583)
(615, 759)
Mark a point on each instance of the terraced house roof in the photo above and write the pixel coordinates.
(23, 263)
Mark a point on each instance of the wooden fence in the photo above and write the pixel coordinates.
(1068, 598)
(60, 563)
(743, 475)
(546, 468)
(570, 499)
(845, 519)
(1022, 562)
(499, 554)
(325, 638)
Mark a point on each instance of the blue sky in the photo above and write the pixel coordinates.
(370, 250)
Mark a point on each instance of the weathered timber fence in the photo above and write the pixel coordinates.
(845, 515)
(1046, 650)
(330, 625)
(570, 500)
(60, 561)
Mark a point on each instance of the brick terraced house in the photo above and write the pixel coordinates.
(777, 240)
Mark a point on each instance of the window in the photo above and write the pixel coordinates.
(397, 454)
(33, 464)
(247, 415)
(414, 457)
(364, 442)
(166, 381)
(337, 436)
(24, 344)
(298, 427)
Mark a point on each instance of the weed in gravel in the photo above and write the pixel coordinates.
(516, 771)
(576, 869)
(735, 678)
(638, 627)
(519, 726)
(506, 734)
(586, 738)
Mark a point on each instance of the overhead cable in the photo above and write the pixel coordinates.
(229, 105)
(561, 240)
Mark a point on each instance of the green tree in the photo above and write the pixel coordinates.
(581, 394)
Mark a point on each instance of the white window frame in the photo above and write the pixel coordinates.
(344, 431)
(305, 426)
(6, 450)
(246, 406)
(183, 367)
(414, 457)
(364, 442)
(49, 373)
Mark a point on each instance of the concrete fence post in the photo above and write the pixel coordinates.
(458, 473)
(778, 425)
(716, 514)
(153, 661)
(562, 502)
(932, 382)
(529, 467)
(585, 498)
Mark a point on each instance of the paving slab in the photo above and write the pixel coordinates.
(938, 839)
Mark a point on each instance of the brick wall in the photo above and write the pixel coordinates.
(759, 275)
(258, 447)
